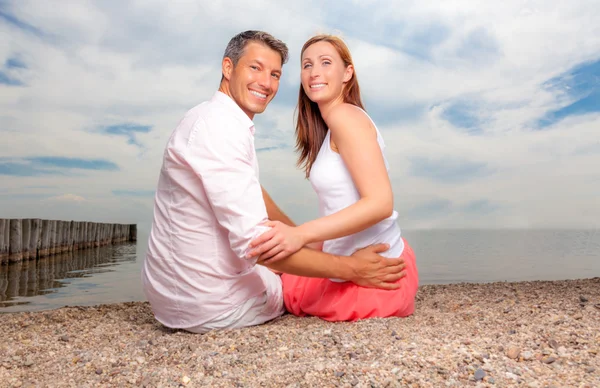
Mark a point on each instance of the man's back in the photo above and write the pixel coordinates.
(194, 270)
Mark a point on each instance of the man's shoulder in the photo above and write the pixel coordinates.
(213, 114)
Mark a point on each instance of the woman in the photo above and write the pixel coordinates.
(341, 152)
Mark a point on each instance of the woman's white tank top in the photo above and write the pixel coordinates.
(335, 190)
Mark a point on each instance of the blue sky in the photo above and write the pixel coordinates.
(490, 112)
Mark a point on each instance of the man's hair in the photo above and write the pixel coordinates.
(237, 44)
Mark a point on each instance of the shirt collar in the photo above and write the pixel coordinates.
(236, 111)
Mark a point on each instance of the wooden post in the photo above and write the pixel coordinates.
(56, 237)
(16, 241)
(61, 237)
(102, 235)
(97, 235)
(88, 232)
(25, 231)
(84, 234)
(77, 240)
(4, 240)
(93, 235)
(52, 235)
(133, 233)
(45, 239)
(34, 238)
(3, 283)
(80, 235)
(71, 234)
(67, 230)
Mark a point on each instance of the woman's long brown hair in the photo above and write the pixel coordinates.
(310, 126)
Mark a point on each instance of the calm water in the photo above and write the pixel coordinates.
(112, 274)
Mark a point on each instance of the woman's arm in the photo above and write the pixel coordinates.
(273, 211)
(356, 140)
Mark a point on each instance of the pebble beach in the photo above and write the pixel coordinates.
(527, 334)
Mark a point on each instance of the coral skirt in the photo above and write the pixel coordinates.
(346, 301)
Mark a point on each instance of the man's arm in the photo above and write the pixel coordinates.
(274, 212)
(221, 156)
(365, 267)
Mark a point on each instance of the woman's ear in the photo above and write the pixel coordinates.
(348, 73)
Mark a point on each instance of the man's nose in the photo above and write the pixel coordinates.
(265, 80)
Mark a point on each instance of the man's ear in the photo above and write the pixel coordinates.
(348, 73)
(227, 67)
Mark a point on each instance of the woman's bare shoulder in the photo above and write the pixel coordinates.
(345, 116)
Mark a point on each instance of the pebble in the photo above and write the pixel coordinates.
(527, 355)
(513, 352)
(479, 374)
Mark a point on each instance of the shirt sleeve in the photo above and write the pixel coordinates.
(222, 159)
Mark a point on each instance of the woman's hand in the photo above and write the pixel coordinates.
(277, 243)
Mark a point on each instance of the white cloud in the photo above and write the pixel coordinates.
(146, 62)
(67, 198)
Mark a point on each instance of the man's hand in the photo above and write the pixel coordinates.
(375, 271)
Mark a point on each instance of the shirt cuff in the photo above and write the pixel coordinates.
(258, 230)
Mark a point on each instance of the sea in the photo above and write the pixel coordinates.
(111, 274)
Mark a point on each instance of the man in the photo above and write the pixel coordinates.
(209, 205)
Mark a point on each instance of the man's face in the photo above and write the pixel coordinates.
(254, 81)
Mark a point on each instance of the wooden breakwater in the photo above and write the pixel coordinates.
(32, 238)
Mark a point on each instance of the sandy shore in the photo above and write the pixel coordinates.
(532, 334)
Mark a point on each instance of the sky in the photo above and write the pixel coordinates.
(490, 111)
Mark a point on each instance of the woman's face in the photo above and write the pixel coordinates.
(323, 72)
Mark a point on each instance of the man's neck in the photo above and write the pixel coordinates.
(224, 88)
